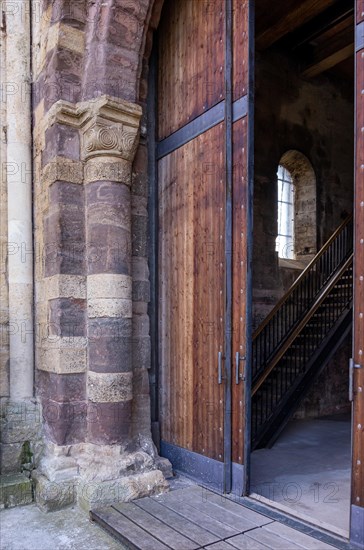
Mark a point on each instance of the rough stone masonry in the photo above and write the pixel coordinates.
(90, 437)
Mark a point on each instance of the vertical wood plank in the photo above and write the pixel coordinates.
(240, 189)
(359, 11)
(240, 48)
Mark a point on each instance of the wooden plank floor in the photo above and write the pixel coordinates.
(193, 518)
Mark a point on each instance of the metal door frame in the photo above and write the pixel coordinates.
(250, 242)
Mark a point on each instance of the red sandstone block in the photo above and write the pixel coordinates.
(62, 388)
(108, 423)
(67, 317)
(62, 141)
(64, 423)
(108, 250)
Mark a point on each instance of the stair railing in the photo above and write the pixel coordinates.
(307, 349)
(345, 297)
(287, 313)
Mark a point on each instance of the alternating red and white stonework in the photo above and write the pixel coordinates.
(92, 344)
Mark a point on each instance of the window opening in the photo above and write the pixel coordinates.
(285, 238)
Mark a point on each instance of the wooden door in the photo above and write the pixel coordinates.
(357, 509)
(202, 182)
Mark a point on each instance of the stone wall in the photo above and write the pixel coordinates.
(329, 395)
(4, 290)
(314, 117)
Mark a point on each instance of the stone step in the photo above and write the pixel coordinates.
(15, 490)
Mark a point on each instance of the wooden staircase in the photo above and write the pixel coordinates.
(300, 335)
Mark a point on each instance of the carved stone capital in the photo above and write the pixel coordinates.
(109, 126)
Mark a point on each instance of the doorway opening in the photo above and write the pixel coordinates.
(302, 260)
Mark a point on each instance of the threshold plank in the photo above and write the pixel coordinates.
(273, 541)
(220, 546)
(242, 542)
(217, 512)
(181, 524)
(199, 518)
(236, 508)
(126, 531)
(290, 534)
(162, 532)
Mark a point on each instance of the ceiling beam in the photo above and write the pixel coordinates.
(323, 23)
(329, 61)
(289, 20)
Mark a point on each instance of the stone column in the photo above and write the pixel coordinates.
(19, 414)
(19, 181)
(85, 370)
(109, 141)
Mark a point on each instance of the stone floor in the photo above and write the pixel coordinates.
(27, 528)
(307, 472)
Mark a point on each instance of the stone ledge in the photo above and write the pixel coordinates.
(53, 495)
(97, 494)
(15, 490)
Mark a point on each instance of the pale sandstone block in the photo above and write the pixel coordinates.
(109, 285)
(109, 307)
(64, 169)
(104, 168)
(109, 387)
(62, 286)
(62, 360)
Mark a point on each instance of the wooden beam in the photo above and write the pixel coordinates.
(329, 61)
(324, 22)
(287, 20)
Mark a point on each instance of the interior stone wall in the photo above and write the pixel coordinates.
(329, 395)
(314, 117)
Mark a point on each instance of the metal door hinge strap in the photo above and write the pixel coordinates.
(352, 366)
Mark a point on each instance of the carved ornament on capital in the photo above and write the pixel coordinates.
(111, 129)
(108, 126)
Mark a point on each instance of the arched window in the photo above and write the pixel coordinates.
(296, 208)
(285, 238)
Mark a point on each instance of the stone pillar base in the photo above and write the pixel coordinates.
(93, 476)
(92, 495)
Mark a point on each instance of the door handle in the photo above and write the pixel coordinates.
(238, 376)
(352, 366)
(219, 367)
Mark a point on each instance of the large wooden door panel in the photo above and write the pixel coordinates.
(191, 68)
(202, 134)
(357, 511)
(191, 293)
